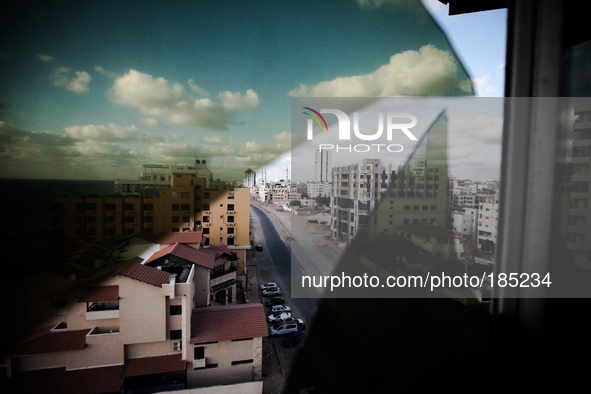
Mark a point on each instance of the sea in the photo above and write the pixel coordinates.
(27, 203)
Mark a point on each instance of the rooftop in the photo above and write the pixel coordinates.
(229, 322)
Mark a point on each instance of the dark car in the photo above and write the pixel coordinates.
(275, 301)
(293, 339)
(259, 247)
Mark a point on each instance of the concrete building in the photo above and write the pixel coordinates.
(145, 324)
(222, 215)
(156, 177)
(322, 166)
(465, 221)
(418, 194)
(356, 190)
(250, 178)
(578, 234)
(488, 218)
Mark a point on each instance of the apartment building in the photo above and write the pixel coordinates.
(418, 194)
(488, 218)
(578, 235)
(145, 324)
(356, 190)
(322, 166)
(187, 204)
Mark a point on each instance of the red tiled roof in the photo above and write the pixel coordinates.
(225, 323)
(186, 237)
(203, 257)
(100, 293)
(221, 248)
(144, 273)
(53, 341)
(151, 365)
(433, 231)
(58, 380)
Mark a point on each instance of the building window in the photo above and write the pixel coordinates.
(581, 151)
(406, 221)
(175, 207)
(415, 207)
(149, 219)
(129, 207)
(176, 334)
(174, 230)
(176, 310)
(230, 207)
(425, 207)
(185, 207)
(230, 219)
(242, 362)
(199, 353)
(186, 219)
(148, 207)
(206, 231)
(230, 242)
(176, 219)
(206, 196)
(230, 196)
(407, 207)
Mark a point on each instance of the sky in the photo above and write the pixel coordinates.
(93, 90)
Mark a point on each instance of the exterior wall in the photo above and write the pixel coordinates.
(179, 208)
(142, 311)
(223, 354)
(149, 349)
(101, 349)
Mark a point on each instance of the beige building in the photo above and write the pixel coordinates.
(222, 215)
(145, 323)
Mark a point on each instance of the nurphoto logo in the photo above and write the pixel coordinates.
(344, 125)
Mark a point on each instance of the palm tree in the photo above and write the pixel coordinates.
(470, 247)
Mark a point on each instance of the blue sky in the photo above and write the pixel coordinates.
(93, 90)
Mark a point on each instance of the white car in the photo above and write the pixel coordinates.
(268, 285)
(280, 309)
(283, 328)
(279, 317)
(272, 291)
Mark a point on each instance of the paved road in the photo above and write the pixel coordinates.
(276, 263)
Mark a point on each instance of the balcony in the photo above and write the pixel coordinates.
(102, 310)
(231, 211)
(220, 273)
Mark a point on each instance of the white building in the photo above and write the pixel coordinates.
(322, 166)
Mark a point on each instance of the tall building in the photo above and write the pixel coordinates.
(250, 178)
(322, 166)
(147, 323)
(578, 234)
(419, 193)
(355, 194)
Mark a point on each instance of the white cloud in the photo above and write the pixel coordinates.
(105, 133)
(44, 58)
(104, 72)
(152, 138)
(157, 97)
(235, 101)
(213, 139)
(153, 122)
(178, 137)
(197, 89)
(77, 84)
(172, 151)
(427, 72)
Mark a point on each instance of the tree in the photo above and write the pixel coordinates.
(469, 246)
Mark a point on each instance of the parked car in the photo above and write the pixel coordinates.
(283, 328)
(268, 285)
(281, 316)
(275, 301)
(272, 291)
(280, 309)
(293, 339)
(259, 247)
